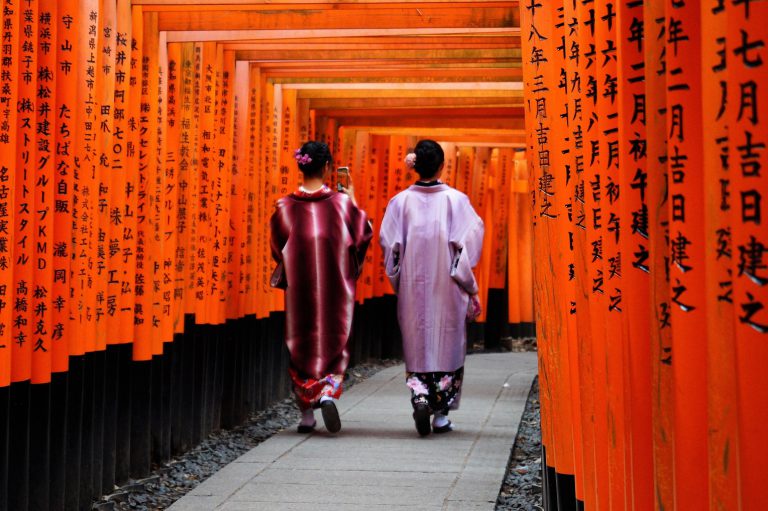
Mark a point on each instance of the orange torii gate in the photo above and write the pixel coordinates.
(646, 149)
(143, 144)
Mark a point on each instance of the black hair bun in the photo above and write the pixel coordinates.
(429, 158)
(312, 158)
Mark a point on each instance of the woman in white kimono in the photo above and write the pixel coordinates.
(432, 237)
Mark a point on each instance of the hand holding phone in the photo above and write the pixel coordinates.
(344, 183)
(342, 178)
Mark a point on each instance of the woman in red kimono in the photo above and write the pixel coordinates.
(319, 240)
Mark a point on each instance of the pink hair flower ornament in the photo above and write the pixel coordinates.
(410, 160)
(303, 159)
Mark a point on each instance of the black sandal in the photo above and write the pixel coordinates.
(330, 416)
(306, 429)
(443, 429)
(421, 418)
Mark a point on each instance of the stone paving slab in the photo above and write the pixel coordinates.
(378, 461)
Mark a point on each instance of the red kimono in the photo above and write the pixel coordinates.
(319, 241)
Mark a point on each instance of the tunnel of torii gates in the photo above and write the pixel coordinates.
(614, 150)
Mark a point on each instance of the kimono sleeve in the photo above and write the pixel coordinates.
(278, 239)
(390, 239)
(362, 232)
(466, 244)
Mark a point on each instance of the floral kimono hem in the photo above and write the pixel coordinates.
(309, 391)
(441, 391)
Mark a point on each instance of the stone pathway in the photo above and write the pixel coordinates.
(378, 461)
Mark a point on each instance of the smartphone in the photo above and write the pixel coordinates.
(342, 178)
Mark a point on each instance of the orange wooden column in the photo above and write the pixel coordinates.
(483, 268)
(525, 243)
(252, 285)
(353, 150)
(523, 215)
(121, 212)
(658, 231)
(449, 168)
(223, 213)
(272, 153)
(257, 128)
(261, 124)
(194, 181)
(368, 189)
(41, 304)
(465, 164)
(380, 150)
(722, 430)
(152, 144)
(177, 160)
(482, 197)
(186, 156)
(609, 217)
(591, 279)
(129, 29)
(748, 135)
(501, 167)
(207, 167)
(142, 344)
(225, 71)
(563, 158)
(479, 179)
(171, 195)
(634, 247)
(97, 84)
(90, 90)
(222, 241)
(162, 187)
(304, 115)
(23, 212)
(362, 180)
(514, 263)
(244, 185)
(533, 19)
(363, 170)
(65, 130)
(99, 192)
(687, 271)
(226, 154)
(579, 109)
(106, 286)
(8, 112)
(229, 293)
(162, 325)
(266, 171)
(288, 140)
(398, 148)
(238, 266)
(216, 200)
(541, 79)
(266, 168)
(255, 194)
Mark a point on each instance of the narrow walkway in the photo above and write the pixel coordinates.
(378, 461)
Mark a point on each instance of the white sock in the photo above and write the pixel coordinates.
(307, 417)
(439, 420)
(325, 398)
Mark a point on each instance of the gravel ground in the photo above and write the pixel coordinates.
(171, 481)
(521, 489)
